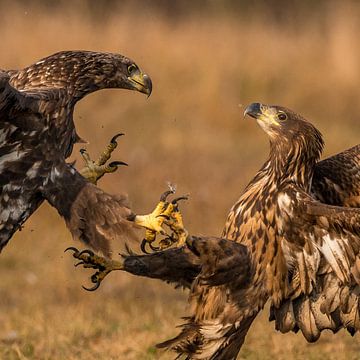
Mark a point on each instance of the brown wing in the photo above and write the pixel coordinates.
(336, 179)
(93, 216)
(24, 155)
(322, 245)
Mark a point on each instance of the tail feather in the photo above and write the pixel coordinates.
(332, 306)
(209, 341)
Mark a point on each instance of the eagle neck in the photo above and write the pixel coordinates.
(293, 162)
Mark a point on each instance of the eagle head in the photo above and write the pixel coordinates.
(277, 121)
(290, 134)
(282, 124)
(118, 71)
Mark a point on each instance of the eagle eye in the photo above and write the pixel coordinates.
(132, 68)
(282, 116)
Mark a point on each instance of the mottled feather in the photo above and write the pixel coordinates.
(298, 247)
(37, 134)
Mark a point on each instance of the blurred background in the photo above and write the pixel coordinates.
(207, 59)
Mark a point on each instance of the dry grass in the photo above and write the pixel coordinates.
(190, 132)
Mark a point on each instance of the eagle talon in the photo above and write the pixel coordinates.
(94, 170)
(88, 259)
(113, 139)
(165, 194)
(143, 246)
(165, 213)
(71, 248)
(95, 287)
(87, 252)
(118, 163)
(176, 200)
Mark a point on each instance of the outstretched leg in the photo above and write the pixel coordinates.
(176, 265)
(94, 170)
(165, 213)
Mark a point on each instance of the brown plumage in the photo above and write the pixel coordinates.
(287, 247)
(37, 134)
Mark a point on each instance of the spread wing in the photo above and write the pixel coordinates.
(93, 216)
(336, 180)
(321, 244)
(32, 169)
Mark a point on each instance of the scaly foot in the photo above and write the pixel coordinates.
(89, 260)
(165, 213)
(94, 170)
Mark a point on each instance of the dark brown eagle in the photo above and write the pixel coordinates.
(37, 134)
(290, 239)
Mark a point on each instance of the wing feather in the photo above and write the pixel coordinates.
(332, 300)
(93, 216)
(336, 180)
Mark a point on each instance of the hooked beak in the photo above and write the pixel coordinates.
(265, 115)
(253, 110)
(141, 82)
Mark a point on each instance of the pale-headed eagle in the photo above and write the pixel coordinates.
(291, 239)
(37, 134)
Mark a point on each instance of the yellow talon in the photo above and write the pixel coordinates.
(94, 170)
(165, 213)
(154, 220)
(176, 224)
(105, 156)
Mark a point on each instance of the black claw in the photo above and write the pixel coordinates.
(95, 287)
(143, 246)
(82, 151)
(79, 263)
(184, 197)
(164, 195)
(89, 252)
(118, 163)
(154, 248)
(113, 139)
(74, 249)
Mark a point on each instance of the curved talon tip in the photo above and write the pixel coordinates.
(79, 263)
(74, 249)
(113, 139)
(87, 251)
(143, 246)
(95, 287)
(165, 194)
(82, 151)
(118, 163)
(184, 197)
(154, 248)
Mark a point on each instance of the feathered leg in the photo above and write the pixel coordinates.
(177, 265)
(165, 213)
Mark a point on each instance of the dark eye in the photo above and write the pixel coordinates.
(282, 116)
(132, 68)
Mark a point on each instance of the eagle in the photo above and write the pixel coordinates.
(292, 239)
(37, 134)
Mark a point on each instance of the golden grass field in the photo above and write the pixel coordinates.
(191, 131)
